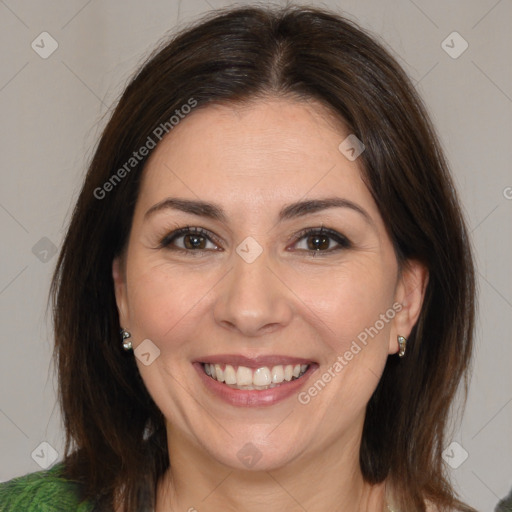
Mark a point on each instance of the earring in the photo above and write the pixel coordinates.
(402, 343)
(127, 344)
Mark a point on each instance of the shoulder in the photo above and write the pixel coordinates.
(44, 491)
(505, 505)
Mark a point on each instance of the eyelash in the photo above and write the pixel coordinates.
(341, 240)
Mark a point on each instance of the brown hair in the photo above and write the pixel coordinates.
(115, 434)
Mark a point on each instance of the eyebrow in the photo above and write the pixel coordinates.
(291, 211)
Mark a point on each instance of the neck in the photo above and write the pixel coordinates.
(332, 481)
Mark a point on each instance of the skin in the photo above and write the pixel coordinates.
(252, 160)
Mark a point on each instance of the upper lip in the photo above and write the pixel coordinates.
(253, 362)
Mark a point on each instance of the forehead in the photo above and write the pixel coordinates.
(272, 149)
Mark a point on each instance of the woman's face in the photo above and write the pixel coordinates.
(248, 288)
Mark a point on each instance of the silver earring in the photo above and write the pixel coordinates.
(127, 344)
(402, 343)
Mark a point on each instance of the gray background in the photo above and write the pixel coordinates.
(53, 110)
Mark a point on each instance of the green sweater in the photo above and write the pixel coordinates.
(49, 491)
(44, 491)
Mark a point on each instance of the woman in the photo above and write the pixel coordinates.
(270, 224)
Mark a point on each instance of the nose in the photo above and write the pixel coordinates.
(252, 299)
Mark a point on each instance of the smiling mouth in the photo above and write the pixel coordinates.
(264, 377)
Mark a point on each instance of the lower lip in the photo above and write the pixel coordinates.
(253, 397)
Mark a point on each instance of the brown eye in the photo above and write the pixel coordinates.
(189, 240)
(194, 241)
(318, 242)
(321, 240)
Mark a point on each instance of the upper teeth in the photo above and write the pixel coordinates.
(263, 376)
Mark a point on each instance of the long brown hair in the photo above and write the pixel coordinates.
(115, 434)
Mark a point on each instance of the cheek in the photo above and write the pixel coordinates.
(163, 301)
(348, 312)
(168, 303)
(351, 299)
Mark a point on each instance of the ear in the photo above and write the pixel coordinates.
(409, 295)
(119, 276)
